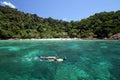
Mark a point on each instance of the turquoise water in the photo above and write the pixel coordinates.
(86, 60)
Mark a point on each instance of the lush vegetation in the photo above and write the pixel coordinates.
(17, 24)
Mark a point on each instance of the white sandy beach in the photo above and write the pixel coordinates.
(50, 39)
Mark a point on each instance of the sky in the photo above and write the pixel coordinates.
(63, 9)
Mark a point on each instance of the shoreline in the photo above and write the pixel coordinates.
(49, 39)
(58, 39)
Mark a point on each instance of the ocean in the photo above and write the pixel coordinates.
(86, 60)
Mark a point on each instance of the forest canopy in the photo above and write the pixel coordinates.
(16, 24)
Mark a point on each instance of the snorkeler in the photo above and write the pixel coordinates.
(51, 58)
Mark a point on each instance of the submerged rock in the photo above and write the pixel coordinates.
(71, 72)
(101, 70)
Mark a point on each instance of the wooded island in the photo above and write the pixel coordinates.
(15, 24)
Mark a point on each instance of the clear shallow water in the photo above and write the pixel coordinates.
(86, 60)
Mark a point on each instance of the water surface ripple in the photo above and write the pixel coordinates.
(86, 60)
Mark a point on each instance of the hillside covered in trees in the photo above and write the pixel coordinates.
(17, 24)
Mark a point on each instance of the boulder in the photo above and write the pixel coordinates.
(115, 37)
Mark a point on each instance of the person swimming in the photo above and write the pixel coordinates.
(51, 58)
(43, 58)
(60, 59)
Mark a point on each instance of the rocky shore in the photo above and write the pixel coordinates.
(115, 37)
